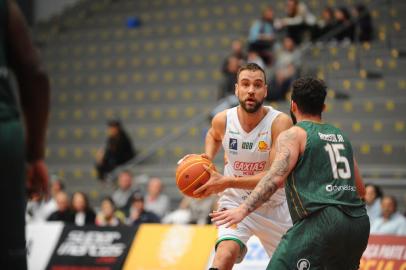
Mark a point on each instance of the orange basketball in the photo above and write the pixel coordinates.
(190, 174)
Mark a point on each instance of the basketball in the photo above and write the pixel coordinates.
(190, 174)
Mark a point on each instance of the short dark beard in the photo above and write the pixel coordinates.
(294, 120)
(257, 106)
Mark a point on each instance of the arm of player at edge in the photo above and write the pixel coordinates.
(287, 153)
(34, 90)
(218, 183)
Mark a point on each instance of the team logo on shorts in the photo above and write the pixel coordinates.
(303, 264)
(232, 144)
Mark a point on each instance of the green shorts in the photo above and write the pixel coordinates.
(328, 239)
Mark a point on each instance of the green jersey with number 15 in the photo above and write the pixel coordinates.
(324, 174)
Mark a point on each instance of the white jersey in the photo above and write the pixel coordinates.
(247, 154)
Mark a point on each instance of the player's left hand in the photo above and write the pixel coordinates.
(37, 175)
(217, 183)
(229, 217)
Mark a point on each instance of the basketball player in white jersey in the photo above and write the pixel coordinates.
(246, 133)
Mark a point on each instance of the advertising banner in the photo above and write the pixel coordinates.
(171, 247)
(41, 241)
(92, 248)
(385, 253)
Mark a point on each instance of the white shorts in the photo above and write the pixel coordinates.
(268, 224)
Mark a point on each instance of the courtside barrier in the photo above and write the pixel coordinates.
(53, 246)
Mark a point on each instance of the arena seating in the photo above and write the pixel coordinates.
(164, 74)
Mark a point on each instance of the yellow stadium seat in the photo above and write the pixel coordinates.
(378, 126)
(62, 152)
(139, 95)
(137, 77)
(155, 95)
(156, 113)
(78, 152)
(356, 126)
(124, 113)
(186, 94)
(365, 148)
(390, 105)
(107, 95)
(173, 112)
(141, 132)
(387, 149)
(77, 114)
(159, 132)
(369, 106)
(78, 133)
(171, 94)
(399, 126)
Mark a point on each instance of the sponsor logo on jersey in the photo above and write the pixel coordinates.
(233, 144)
(331, 188)
(262, 146)
(247, 145)
(303, 264)
(233, 132)
(262, 133)
(249, 166)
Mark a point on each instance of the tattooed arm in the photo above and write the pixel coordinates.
(287, 153)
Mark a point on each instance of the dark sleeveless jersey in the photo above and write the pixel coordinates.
(324, 174)
(8, 104)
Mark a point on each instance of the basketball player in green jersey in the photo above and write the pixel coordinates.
(314, 161)
(22, 135)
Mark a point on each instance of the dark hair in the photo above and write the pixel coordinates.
(378, 190)
(309, 94)
(110, 200)
(87, 204)
(251, 67)
(346, 13)
(393, 199)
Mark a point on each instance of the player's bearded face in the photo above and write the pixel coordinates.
(251, 104)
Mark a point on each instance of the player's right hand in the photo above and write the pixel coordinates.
(216, 184)
(37, 177)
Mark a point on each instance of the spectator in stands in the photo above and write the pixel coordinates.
(373, 195)
(261, 35)
(325, 25)
(365, 28)
(391, 221)
(122, 195)
(253, 57)
(64, 213)
(191, 211)
(298, 20)
(109, 215)
(287, 65)
(39, 207)
(34, 207)
(83, 213)
(155, 200)
(227, 85)
(343, 19)
(118, 150)
(49, 206)
(237, 51)
(138, 215)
